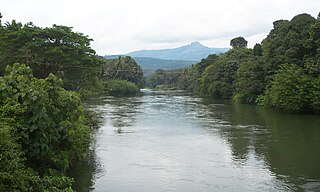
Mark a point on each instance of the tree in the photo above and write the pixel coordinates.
(289, 41)
(57, 49)
(219, 78)
(204, 63)
(291, 90)
(238, 42)
(257, 50)
(249, 81)
(121, 88)
(166, 79)
(123, 68)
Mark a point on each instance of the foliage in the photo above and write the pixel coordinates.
(121, 88)
(14, 175)
(55, 49)
(48, 119)
(257, 50)
(48, 122)
(219, 78)
(291, 90)
(249, 81)
(122, 77)
(190, 78)
(238, 42)
(123, 68)
(288, 42)
(91, 91)
(315, 95)
(164, 78)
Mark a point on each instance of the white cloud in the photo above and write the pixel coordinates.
(119, 26)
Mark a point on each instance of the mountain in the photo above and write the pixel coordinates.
(192, 52)
(154, 63)
(149, 65)
(181, 57)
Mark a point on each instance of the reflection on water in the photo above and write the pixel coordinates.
(123, 111)
(179, 142)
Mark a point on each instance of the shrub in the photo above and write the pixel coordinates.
(121, 88)
(291, 90)
(14, 175)
(48, 121)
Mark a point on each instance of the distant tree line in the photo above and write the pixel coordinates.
(282, 72)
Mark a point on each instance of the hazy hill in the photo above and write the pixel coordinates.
(192, 52)
(151, 60)
(149, 65)
(153, 63)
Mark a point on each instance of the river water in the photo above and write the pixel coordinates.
(172, 141)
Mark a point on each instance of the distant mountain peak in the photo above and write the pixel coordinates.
(196, 43)
(194, 51)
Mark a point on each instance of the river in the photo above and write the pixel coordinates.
(173, 141)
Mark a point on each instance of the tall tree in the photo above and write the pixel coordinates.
(257, 50)
(249, 81)
(238, 42)
(56, 49)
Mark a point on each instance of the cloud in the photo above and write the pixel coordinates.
(119, 26)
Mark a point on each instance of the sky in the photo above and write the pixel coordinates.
(122, 26)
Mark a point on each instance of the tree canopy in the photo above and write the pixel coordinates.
(238, 42)
(56, 49)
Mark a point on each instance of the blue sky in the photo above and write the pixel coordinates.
(121, 26)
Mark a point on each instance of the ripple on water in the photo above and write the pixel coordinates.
(186, 143)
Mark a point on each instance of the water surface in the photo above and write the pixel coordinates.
(172, 141)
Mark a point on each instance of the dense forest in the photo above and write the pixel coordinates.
(281, 72)
(44, 127)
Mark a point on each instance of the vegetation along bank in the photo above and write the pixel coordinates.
(282, 72)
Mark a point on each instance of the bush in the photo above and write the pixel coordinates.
(121, 88)
(291, 90)
(14, 175)
(48, 123)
